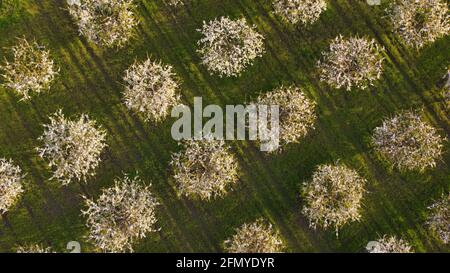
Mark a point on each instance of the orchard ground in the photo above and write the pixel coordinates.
(90, 82)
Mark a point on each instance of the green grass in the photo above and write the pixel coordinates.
(90, 81)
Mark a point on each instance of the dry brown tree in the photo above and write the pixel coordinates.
(205, 169)
(296, 113)
(108, 23)
(151, 90)
(121, 215)
(408, 142)
(390, 245)
(257, 237)
(300, 11)
(11, 187)
(33, 249)
(72, 147)
(333, 197)
(229, 46)
(31, 69)
(439, 219)
(351, 62)
(419, 22)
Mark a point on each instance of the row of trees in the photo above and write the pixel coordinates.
(256, 237)
(228, 46)
(111, 23)
(205, 170)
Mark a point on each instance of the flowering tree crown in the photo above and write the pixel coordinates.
(205, 169)
(256, 237)
(73, 148)
(31, 70)
(300, 11)
(11, 187)
(297, 112)
(408, 142)
(151, 90)
(107, 23)
(121, 215)
(439, 219)
(229, 46)
(353, 62)
(333, 197)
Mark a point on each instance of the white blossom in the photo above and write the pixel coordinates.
(107, 23)
(151, 90)
(72, 148)
(390, 245)
(34, 249)
(408, 142)
(300, 11)
(175, 2)
(333, 197)
(256, 237)
(205, 169)
(31, 69)
(121, 215)
(229, 46)
(439, 219)
(11, 187)
(419, 22)
(297, 113)
(353, 62)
